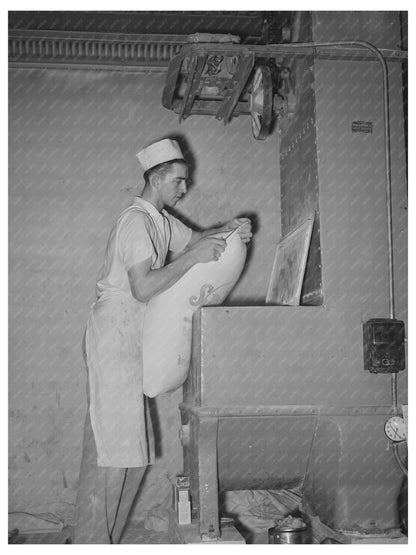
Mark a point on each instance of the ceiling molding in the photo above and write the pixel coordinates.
(46, 49)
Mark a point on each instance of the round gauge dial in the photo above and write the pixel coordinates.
(395, 428)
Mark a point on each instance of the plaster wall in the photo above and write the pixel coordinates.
(72, 169)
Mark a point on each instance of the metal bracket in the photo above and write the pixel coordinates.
(197, 65)
(237, 83)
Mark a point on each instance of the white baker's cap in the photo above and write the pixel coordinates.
(159, 152)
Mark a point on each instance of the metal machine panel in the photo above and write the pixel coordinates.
(247, 452)
(380, 28)
(352, 183)
(299, 175)
(275, 355)
(263, 452)
(352, 481)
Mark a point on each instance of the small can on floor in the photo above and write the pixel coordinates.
(279, 534)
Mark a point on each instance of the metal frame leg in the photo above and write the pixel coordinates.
(208, 479)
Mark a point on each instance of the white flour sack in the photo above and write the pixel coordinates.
(167, 331)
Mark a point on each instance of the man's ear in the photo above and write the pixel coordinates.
(154, 180)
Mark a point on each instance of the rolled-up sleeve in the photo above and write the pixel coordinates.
(135, 240)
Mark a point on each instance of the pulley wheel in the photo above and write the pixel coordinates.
(261, 102)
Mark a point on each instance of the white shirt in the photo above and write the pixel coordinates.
(138, 235)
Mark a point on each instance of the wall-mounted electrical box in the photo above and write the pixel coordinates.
(384, 345)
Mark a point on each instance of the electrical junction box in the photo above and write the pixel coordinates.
(384, 345)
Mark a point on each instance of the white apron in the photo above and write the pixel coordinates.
(118, 409)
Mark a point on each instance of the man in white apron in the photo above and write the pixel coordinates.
(118, 436)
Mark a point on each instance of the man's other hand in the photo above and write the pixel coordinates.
(244, 228)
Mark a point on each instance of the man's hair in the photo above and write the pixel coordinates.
(162, 169)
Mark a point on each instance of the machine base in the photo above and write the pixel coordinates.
(190, 533)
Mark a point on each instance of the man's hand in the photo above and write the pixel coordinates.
(245, 228)
(207, 249)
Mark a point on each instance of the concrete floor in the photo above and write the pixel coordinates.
(135, 533)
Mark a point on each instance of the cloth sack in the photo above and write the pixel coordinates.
(167, 332)
(259, 510)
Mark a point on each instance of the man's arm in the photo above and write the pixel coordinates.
(145, 282)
